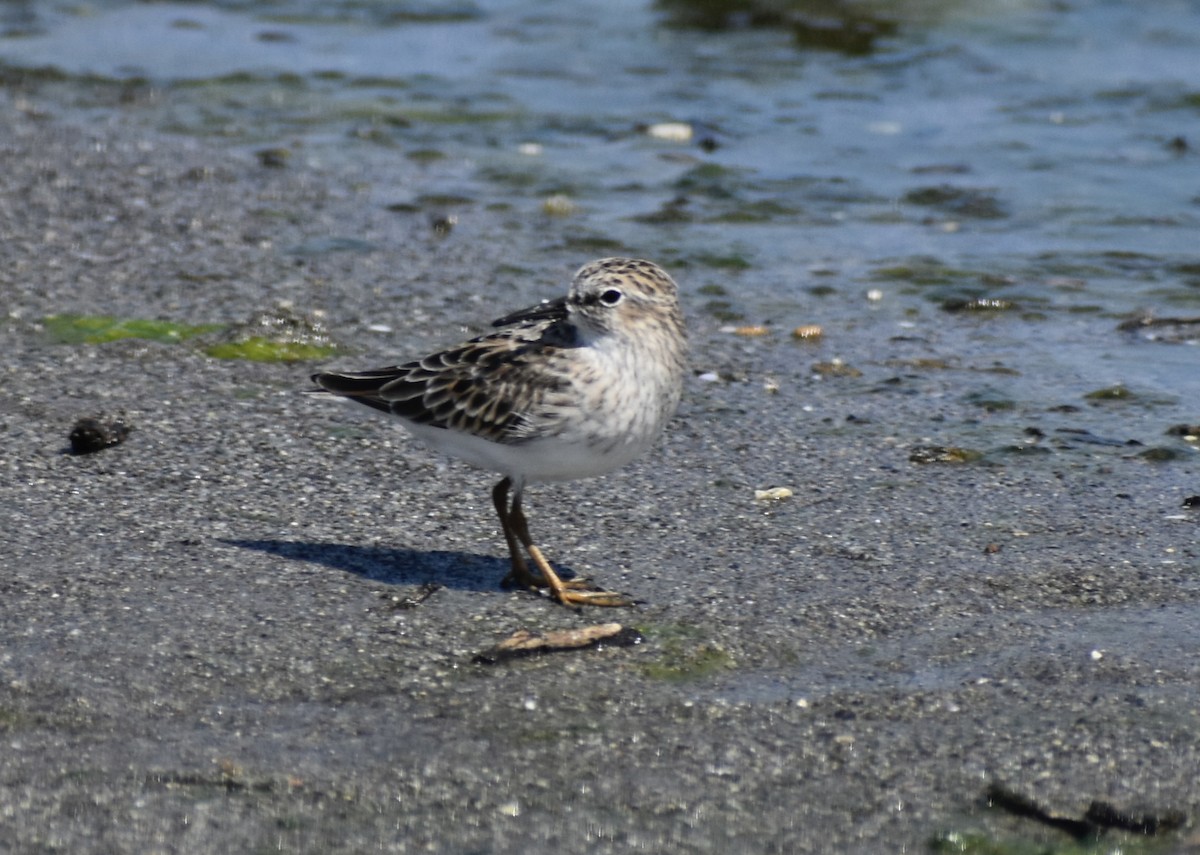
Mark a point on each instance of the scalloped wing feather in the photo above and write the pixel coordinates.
(489, 386)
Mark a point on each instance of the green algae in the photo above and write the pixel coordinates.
(760, 211)
(723, 261)
(722, 310)
(682, 666)
(978, 843)
(279, 335)
(100, 329)
(269, 337)
(1105, 843)
(1112, 393)
(925, 454)
(1162, 454)
(711, 180)
(966, 202)
(991, 399)
(924, 271)
(683, 655)
(261, 349)
(426, 155)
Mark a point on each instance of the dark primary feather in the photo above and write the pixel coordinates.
(487, 386)
(547, 310)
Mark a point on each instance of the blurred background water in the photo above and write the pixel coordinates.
(1024, 171)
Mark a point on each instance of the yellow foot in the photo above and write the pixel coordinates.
(570, 596)
(568, 592)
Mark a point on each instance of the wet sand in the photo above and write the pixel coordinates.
(208, 639)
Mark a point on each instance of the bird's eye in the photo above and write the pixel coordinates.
(611, 297)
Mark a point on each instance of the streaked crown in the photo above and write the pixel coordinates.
(610, 292)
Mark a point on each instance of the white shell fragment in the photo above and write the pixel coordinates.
(773, 494)
(671, 131)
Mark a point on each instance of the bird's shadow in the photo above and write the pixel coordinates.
(393, 565)
(389, 564)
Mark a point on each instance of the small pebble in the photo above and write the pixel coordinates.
(671, 131)
(559, 205)
(773, 494)
(90, 435)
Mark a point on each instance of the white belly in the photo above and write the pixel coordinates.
(549, 459)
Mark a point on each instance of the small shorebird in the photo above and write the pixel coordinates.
(569, 388)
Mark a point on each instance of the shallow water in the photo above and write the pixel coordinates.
(1026, 152)
(941, 658)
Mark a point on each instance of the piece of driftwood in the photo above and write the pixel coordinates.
(526, 643)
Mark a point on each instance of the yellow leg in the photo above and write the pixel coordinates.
(571, 593)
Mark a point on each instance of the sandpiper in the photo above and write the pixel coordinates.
(569, 388)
